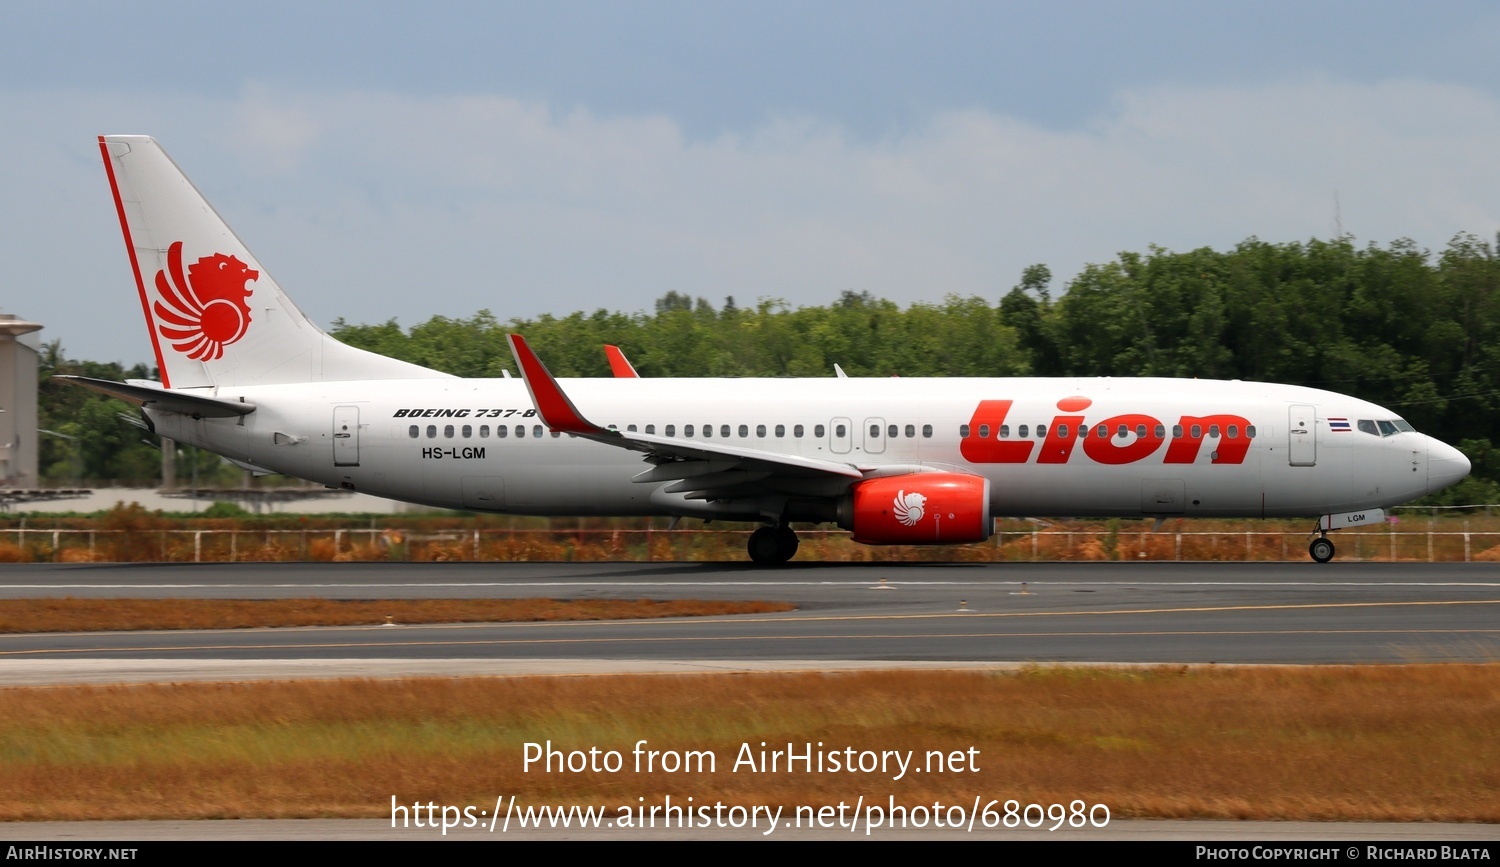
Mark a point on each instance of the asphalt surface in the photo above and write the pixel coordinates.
(1227, 613)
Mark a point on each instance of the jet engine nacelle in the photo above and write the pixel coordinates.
(918, 509)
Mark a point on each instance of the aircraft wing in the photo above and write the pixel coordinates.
(700, 466)
(153, 397)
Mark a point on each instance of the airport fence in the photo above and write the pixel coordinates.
(1019, 544)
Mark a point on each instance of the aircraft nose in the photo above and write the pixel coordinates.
(1446, 465)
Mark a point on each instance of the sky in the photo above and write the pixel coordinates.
(402, 160)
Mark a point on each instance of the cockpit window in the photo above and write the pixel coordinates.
(1386, 428)
(1404, 426)
(1368, 426)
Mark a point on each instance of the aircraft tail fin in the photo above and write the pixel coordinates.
(216, 318)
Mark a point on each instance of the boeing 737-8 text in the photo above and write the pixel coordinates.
(896, 461)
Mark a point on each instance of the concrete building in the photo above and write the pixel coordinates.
(19, 346)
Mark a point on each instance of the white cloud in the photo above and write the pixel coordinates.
(373, 205)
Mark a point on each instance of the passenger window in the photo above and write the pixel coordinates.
(780, 431)
(963, 431)
(629, 427)
(1021, 431)
(1197, 431)
(911, 431)
(1234, 431)
(670, 430)
(1041, 431)
(484, 431)
(893, 431)
(818, 431)
(468, 431)
(502, 431)
(431, 431)
(926, 430)
(724, 430)
(1250, 431)
(556, 434)
(1161, 432)
(1368, 427)
(536, 431)
(521, 431)
(744, 431)
(1083, 431)
(984, 431)
(874, 431)
(1386, 428)
(1213, 431)
(1121, 431)
(650, 428)
(1101, 431)
(708, 431)
(1176, 431)
(840, 431)
(1062, 431)
(415, 431)
(760, 430)
(687, 430)
(1140, 431)
(1004, 431)
(797, 431)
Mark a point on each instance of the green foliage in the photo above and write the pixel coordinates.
(88, 440)
(1395, 325)
(225, 509)
(689, 338)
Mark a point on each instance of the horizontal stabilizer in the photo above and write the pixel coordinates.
(197, 406)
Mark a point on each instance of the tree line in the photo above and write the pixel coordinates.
(1412, 330)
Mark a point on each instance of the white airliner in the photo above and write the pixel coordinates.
(894, 460)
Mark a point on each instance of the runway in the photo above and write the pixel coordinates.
(848, 614)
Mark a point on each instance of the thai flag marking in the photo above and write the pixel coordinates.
(1339, 425)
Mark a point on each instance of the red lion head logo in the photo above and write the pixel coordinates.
(207, 309)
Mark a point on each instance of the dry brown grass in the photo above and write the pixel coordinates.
(1396, 743)
(108, 615)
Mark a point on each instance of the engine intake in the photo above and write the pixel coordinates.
(918, 509)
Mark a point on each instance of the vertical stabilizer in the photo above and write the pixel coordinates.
(215, 316)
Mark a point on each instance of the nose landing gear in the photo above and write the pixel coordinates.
(1321, 549)
(772, 546)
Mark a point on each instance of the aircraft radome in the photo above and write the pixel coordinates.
(893, 460)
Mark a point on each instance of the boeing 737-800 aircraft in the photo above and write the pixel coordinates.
(896, 461)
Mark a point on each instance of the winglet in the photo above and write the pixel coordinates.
(619, 365)
(556, 410)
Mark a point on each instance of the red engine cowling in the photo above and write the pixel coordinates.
(919, 509)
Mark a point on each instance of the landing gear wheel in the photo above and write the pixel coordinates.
(1321, 549)
(787, 540)
(772, 546)
(765, 547)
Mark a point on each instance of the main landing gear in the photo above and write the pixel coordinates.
(1321, 548)
(772, 546)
